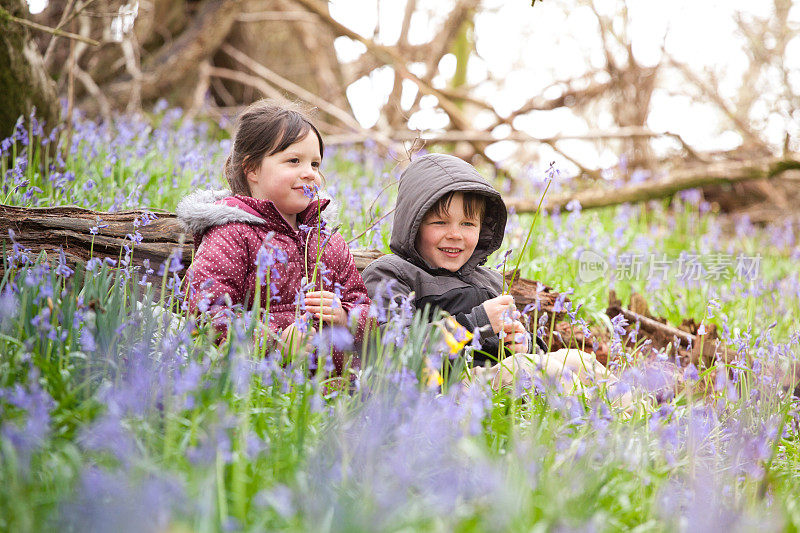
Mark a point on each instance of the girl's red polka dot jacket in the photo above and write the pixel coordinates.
(228, 233)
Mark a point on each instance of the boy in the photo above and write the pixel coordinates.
(447, 221)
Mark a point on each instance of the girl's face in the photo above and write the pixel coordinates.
(282, 176)
(448, 241)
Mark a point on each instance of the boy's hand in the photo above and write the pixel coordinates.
(500, 309)
(326, 306)
(516, 338)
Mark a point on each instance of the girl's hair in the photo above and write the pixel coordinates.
(474, 205)
(266, 127)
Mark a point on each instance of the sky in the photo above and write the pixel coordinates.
(530, 48)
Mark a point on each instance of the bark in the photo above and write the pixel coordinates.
(24, 82)
(298, 49)
(50, 228)
(173, 71)
(158, 24)
(681, 342)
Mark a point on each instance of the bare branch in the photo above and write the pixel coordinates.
(263, 16)
(390, 57)
(568, 98)
(173, 63)
(133, 68)
(61, 23)
(203, 84)
(594, 174)
(392, 109)
(95, 92)
(483, 136)
(291, 87)
(221, 91)
(246, 79)
(47, 29)
(714, 96)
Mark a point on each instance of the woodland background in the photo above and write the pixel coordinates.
(211, 57)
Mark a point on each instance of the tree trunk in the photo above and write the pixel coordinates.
(289, 41)
(173, 71)
(24, 83)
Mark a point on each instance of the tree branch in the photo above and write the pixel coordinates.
(390, 57)
(519, 136)
(174, 64)
(53, 31)
(713, 174)
(300, 92)
(245, 79)
(714, 95)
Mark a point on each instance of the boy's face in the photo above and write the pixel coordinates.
(447, 241)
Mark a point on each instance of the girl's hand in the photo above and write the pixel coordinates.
(326, 306)
(500, 309)
(293, 339)
(516, 337)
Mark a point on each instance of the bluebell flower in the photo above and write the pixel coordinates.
(690, 373)
(619, 323)
(93, 263)
(62, 269)
(504, 259)
(94, 230)
(135, 237)
(334, 338)
(19, 254)
(87, 341)
(5, 146)
(175, 263)
(311, 191)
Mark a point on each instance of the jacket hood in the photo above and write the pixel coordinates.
(427, 179)
(203, 210)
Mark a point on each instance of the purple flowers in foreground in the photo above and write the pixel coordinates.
(119, 414)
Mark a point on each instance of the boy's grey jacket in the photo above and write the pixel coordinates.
(459, 293)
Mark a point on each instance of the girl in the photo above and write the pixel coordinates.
(270, 222)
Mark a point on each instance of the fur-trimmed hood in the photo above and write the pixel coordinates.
(203, 210)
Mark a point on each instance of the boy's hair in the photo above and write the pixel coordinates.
(264, 128)
(474, 205)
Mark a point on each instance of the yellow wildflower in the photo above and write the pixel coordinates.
(431, 376)
(455, 335)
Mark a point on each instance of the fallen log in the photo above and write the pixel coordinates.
(682, 342)
(70, 229)
(698, 176)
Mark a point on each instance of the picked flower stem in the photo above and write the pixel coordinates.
(515, 272)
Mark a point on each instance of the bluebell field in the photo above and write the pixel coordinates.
(119, 413)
